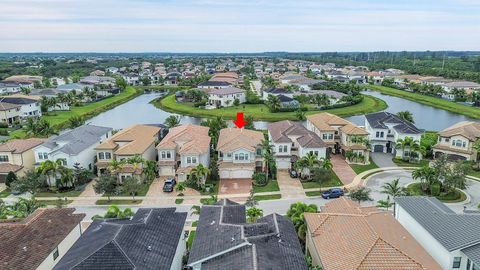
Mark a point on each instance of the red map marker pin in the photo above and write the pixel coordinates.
(239, 122)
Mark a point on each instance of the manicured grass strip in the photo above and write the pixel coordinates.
(191, 236)
(472, 112)
(195, 223)
(268, 197)
(142, 191)
(178, 201)
(361, 168)
(334, 182)
(313, 193)
(271, 186)
(402, 163)
(5, 193)
(73, 193)
(117, 202)
(415, 189)
(260, 112)
(55, 202)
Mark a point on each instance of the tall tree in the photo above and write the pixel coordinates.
(361, 194)
(407, 116)
(172, 121)
(106, 184)
(254, 213)
(131, 186)
(295, 214)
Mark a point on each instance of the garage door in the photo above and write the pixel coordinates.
(236, 174)
(166, 171)
(283, 163)
(378, 148)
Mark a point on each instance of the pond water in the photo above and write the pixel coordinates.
(140, 111)
(425, 117)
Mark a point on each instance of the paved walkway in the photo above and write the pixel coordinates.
(88, 196)
(382, 159)
(289, 187)
(344, 172)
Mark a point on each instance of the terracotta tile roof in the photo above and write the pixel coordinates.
(26, 244)
(4, 106)
(9, 167)
(20, 146)
(284, 131)
(468, 129)
(324, 121)
(452, 149)
(348, 236)
(353, 130)
(231, 139)
(187, 139)
(133, 140)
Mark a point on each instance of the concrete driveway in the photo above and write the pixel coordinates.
(289, 187)
(235, 186)
(341, 168)
(383, 159)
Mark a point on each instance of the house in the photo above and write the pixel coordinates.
(291, 141)
(152, 239)
(137, 140)
(26, 80)
(182, 149)
(305, 84)
(226, 97)
(288, 77)
(40, 240)
(172, 78)
(131, 78)
(288, 102)
(340, 135)
(10, 113)
(345, 235)
(276, 92)
(224, 240)
(17, 156)
(98, 80)
(386, 129)
(452, 239)
(229, 77)
(50, 92)
(457, 141)
(214, 85)
(10, 87)
(469, 87)
(239, 153)
(73, 146)
(28, 106)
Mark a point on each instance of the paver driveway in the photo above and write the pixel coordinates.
(344, 172)
(235, 186)
(383, 159)
(289, 187)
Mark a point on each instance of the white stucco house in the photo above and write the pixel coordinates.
(28, 106)
(184, 148)
(452, 239)
(385, 129)
(291, 141)
(239, 153)
(225, 97)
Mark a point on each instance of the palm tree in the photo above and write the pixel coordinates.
(300, 115)
(426, 175)
(150, 170)
(115, 166)
(254, 213)
(404, 144)
(273, 102)
(476, 147)
(196, 210)
(393, 189)
(172, 121)
(50, 169)
(180, 187)
(200, 172)
(24, 207)
(406, 115)
(75, 121)
(268, 158)
(327, 164)
(295, 214)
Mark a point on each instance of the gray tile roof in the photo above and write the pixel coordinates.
(76, 140)
(225, 241)
(453, 231)
(380, 119)
(147, 241)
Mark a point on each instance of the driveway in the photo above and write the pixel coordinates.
(235, 186)
(383, 159)
(344, 172)
(289, 187)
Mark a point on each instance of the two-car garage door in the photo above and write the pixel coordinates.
(239, 173)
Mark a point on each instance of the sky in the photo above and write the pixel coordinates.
(238, 25)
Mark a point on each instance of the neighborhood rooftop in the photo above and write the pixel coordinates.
(191, 139)
(146, 241)
(133, 140)
(226, 91)
(381, 119)
(233, 138)
(280, 132)
(468, 129)
(225, 241)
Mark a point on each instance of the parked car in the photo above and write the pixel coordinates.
(293, 173)
(332, 193)
(169, 184)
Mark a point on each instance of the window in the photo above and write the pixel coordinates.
(241, 156)
(316, 153)
(189, 160)
(108, 155)
(236, 156)
(3, 158)
(55, 254)
(45, 156)
(259, 151)
(101, 155)
(229, 155)
(163, 155)
(280, 149)
(457, 261)
(194, 159)
(330, 136)
(285, 148)
(64, 161)
(377, 134)
(325, 136)
(381, 134)
(169, 154)
(447, 139)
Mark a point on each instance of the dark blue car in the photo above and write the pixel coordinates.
(332, 193)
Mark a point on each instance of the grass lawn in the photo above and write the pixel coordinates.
(428, 100)
(415, 189)
(178, 200)
(260, 112)
(55, 202)
(268, 197)
(142, 191)
(195, 223)
(473, 173)
(59, 119)
(334, 182)
(191, 236)
(117, 202)
(213, 190)
(5, 193)
(401, 163)
(73, 193)
(361, 168)
(271, 186)
(312, 193)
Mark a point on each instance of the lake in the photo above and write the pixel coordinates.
(140, 111)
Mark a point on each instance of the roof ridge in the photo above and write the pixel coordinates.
(369, 250)
(397, 249)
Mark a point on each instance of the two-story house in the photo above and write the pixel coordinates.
(137, 140)
(452, 239)
(239, 153)
(76, 146)
(277, 92)
(340, 135)
(225, 97)
(386, 129)
(10, 113)
(291, 141)
(182, 149)
(29, 106)
(457, 141)
(17, 156)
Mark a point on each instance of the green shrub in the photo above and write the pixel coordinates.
(435, 189)
(260, 179)
(3, 132)
(3, 125)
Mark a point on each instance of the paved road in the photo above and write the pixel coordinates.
(257, 85)
(375, 183)
(382, 159)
